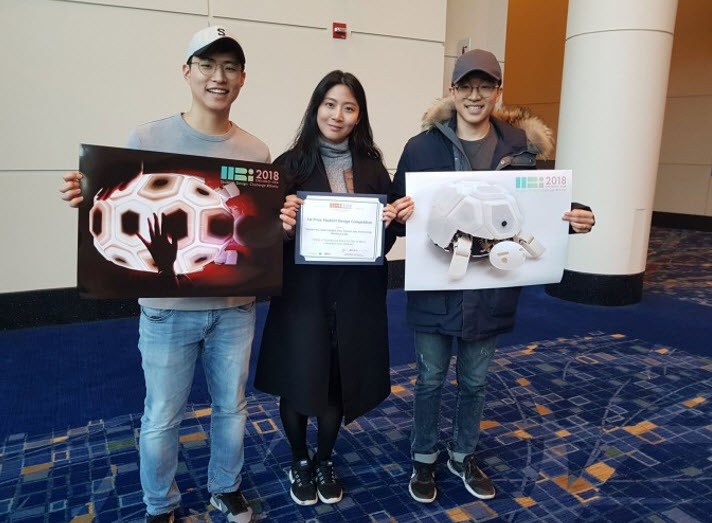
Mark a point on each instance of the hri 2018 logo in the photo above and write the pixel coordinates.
(249, 176)
(540, 182)
(237, 174)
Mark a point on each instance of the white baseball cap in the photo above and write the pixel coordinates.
(210, 35)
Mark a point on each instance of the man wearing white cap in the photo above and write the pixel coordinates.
(173, 332)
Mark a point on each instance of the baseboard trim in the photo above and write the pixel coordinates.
(598, 289)
(19, 310)
(682, 221)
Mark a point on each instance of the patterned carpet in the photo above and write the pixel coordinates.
(680, 265)
(598, 427)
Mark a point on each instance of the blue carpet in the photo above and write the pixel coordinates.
(680, 265)
(601, 427)
(83, 372)
(669, 320)
(593, 414)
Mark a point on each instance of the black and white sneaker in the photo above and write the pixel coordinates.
(422, 482)
(233, 505)
(476, 482)
(328, 486)
(303, 489)
(167, 517)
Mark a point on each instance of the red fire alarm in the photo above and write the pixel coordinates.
(339, 30)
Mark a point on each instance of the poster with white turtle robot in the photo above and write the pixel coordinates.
(486, 229)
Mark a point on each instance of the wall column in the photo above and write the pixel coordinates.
(616, 65)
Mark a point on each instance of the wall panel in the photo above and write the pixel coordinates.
(687, 135)
(691, 67)
(91, 74)
(395, 107)
(96, 69)
(535, 51)
(311, 13)
(682, 189)
(418, 19)
(39, 233)
(686, 152)
(196, 7)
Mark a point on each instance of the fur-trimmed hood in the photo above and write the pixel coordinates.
(539, 136)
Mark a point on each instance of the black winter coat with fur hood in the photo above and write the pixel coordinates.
(521, 138)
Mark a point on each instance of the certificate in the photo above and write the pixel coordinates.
(340, 229)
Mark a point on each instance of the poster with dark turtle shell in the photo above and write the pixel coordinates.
(165, 225)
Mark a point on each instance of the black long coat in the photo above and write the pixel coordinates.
(294, 360)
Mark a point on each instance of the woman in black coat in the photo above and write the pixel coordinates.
(324, 348)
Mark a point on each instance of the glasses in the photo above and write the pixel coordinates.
(208, 68)
(484, 90)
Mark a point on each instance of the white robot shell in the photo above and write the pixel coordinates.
(198, 216)
(468, 213)
(477, 208)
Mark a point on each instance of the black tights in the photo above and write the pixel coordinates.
(295, 427)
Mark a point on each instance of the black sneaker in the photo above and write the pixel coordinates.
(167, 517)
(328, 487)
(476, 481)
(233, 505)
(303, 489)
(422, 482)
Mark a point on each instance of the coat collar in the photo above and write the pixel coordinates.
(540, 138)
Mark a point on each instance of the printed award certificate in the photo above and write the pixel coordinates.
(340, 229)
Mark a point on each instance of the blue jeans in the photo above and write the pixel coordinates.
(170, 342)
(432, 353)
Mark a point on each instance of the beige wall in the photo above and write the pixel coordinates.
(536, 32)
(685, 174)
(534, 54)
(94, 69)
(484, 22)
(90, 71)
